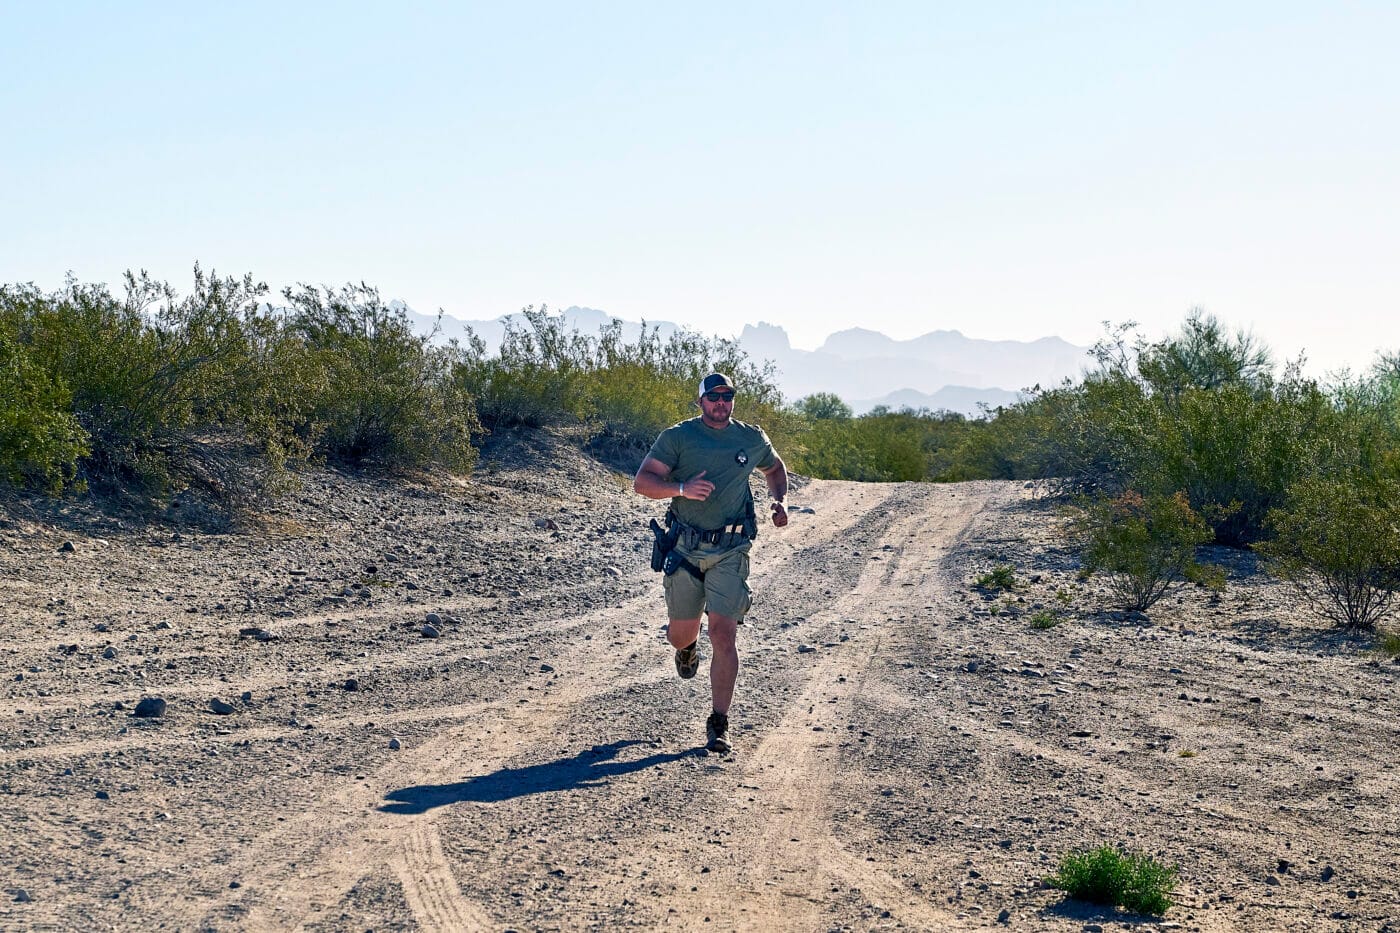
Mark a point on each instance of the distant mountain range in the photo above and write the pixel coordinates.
(941, 370)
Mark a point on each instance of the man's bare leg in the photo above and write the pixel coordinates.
(724, 666)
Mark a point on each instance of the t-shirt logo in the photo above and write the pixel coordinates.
(741, 458)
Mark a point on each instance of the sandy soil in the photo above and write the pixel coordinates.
(910, 752)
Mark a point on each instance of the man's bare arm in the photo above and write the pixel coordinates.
(654, 481)
(777, 478)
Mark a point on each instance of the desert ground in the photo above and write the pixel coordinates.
(910, 752)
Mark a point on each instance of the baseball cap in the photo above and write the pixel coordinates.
(715, 381)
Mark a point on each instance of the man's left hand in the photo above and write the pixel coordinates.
(780, 516)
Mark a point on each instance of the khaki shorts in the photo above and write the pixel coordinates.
(725, 590)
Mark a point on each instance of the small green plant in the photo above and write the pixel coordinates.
(1112, 877)
(1388, 644)
(1145, 544)
(1044, 619)
(1064, 597)
(1186, 753)
(998, 578)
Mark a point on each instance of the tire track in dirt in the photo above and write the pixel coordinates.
(429, 885)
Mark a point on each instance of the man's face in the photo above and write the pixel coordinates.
(716, 407)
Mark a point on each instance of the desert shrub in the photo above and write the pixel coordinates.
(1234, 451)
(1087, 439)
(1338, 542)
(1001, 445)
(882, 446)
(1200, 413)
(871, 449)
(40, 440)
(537, 378)
(1144, 544)
(636, 389)
(1113, 877)
(163, 386)
(377, 393)
(1202, 355)
(1045, 619)
(1001, 577)
(622, 392)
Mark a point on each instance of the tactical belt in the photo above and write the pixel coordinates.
(694, 537)
(746, 527)
(666, 559)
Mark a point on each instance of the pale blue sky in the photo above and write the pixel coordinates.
(1006, 169)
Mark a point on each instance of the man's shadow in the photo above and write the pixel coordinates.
(590, 768)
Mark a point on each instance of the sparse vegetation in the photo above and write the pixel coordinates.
(1113, 877)
(880, 446)
(158, 391)
(1045, 619)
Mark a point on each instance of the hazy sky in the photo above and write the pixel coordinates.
(1006, 169)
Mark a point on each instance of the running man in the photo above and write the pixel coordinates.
(702, 465)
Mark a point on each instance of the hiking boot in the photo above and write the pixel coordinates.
(717, 731)
(688, 660)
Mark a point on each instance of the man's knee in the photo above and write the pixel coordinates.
(682, 633)
(723, 630)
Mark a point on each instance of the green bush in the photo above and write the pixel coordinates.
(1045, 619)
(1113, 877)
(377, 392)
(536, 379)
(1088, 439)
(1144, 543)
(998, 578)
(1234, 451)
(40, 440)
(1338, 542)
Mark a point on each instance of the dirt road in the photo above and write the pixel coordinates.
(910, 754)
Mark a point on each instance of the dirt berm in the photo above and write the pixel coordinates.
(910, 753)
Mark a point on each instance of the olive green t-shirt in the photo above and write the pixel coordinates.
(725, 455)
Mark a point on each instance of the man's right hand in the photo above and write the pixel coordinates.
(699, 488)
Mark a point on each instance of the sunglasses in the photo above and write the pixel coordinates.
(718, 396)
